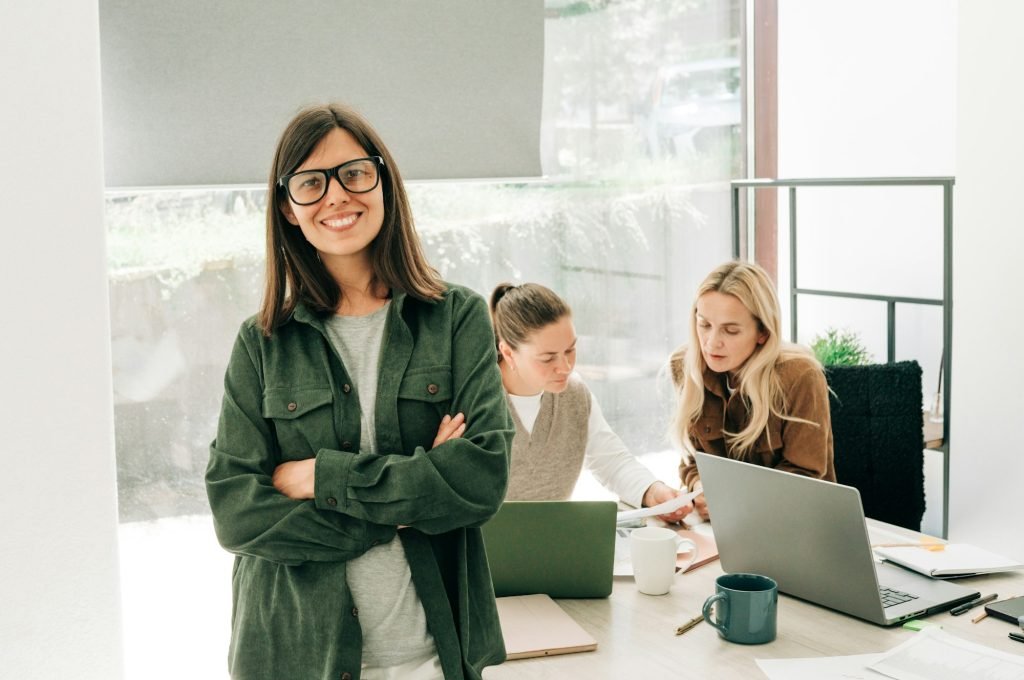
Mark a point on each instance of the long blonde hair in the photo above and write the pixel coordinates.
(759, 383)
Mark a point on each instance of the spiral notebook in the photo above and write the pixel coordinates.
(947, 560)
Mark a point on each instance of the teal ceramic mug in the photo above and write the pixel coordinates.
(747, 607)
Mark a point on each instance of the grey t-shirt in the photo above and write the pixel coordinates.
(390, 612)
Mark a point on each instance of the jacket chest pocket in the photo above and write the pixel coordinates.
(303, 419)
(424, 397)
(708, 427)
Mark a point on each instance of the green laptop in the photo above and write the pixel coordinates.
(559, 548)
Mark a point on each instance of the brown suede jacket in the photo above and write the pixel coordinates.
(794, 446)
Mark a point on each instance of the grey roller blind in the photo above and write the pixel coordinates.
(196, 92)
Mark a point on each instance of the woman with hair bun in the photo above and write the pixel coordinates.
(559, 425)
(743, 392)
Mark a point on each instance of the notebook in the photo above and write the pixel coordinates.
(533, 625)
(558, 548)
(811, 537)
(707, 549)
(947, 560)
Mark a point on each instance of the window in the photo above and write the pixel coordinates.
(632, 213)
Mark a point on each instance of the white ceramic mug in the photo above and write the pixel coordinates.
(653, 552)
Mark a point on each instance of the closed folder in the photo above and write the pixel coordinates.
(534, 625)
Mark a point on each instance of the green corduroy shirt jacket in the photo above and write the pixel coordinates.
(289, 397)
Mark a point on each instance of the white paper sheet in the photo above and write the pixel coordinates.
(660, 509)
(824, 668)
(934, 654)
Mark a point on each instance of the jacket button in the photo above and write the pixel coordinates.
(346, 676)
(707, 429)
(346, 388)
(355, 611)
(292, 406)
(346, 446)
(432, 388)
(332, 501)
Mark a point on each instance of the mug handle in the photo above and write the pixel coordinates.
(724, 598)
(680, 541)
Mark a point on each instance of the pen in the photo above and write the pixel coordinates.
(957, 611)
(689, 624)
(932, 547)
(1017, 636)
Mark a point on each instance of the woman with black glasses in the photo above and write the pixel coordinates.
(363, 434)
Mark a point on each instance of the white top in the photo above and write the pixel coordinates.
(606, 456)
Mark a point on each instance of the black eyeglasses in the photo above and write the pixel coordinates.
(356, 177)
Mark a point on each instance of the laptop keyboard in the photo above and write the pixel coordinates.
(892, 597)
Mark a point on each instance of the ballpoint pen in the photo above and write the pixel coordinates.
(689, 624)
(1017, 636)
(967, 606)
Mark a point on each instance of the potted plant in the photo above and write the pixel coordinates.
(840, 348)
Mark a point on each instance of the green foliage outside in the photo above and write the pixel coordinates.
(840, 348)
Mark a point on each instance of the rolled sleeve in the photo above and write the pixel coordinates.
(250, 516)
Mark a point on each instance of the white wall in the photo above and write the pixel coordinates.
(987, 468)
(868, 89)
(923, 87)
(60, 612)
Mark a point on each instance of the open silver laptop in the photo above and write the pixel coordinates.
(811, 537)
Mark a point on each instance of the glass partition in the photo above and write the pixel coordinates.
(640, 137)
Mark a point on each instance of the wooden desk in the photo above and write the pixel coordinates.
(636, 633)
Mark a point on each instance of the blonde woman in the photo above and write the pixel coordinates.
(743, 392)
(559, 424)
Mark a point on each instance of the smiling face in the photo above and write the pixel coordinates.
(545, 361)
(341, 225)
(727, 331)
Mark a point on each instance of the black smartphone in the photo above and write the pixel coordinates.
(1008, 610)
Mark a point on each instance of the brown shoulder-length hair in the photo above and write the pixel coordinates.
(294, 271)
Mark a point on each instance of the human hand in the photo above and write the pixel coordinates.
(701, 505)
(450, 428)
(659, 492)
(295, 479)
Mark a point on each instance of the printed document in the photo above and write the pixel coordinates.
(933, 654)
